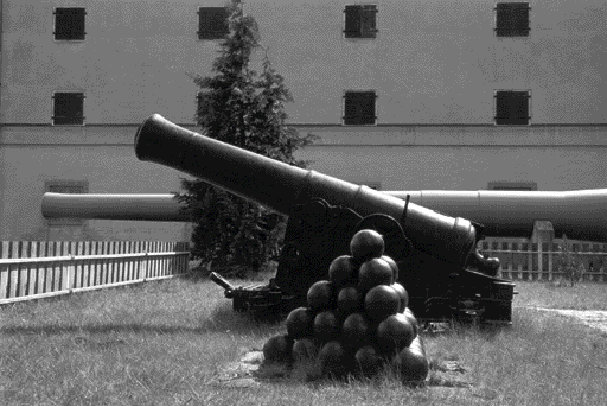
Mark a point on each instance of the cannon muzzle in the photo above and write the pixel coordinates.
(130, 207)
(280, 186)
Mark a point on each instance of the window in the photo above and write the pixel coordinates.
(361, 21)
(66, 186)
(512, 107)
(512, 19)
(359, 107)
(506, 185)
(213, 22)
(373, 185)
(68, 108)
(69, 23)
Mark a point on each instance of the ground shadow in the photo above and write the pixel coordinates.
(225, 318)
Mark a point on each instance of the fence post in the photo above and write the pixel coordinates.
(543, 233)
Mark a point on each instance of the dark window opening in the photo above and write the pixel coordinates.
(512, 107)
(512, 186)
(361, 21)
(69, 23)
(512, 19)
(213, 22)
(359, 108)
(68, 109)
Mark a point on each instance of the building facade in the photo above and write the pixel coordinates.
(415, 95)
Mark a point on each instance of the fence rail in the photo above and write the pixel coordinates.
(523, 260)
(33, 270)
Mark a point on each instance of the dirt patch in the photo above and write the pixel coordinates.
(593, 318)
(240, 374)
(251, 372)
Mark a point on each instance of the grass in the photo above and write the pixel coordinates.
(163, 343)
(583, 296)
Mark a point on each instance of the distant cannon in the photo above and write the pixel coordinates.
(581, 214)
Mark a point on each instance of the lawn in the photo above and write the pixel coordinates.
(163, 343)
(583, 296)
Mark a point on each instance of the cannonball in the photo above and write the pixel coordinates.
(381, 302)
(300, 322)
(367, 244)
(320, 296)
(374, 272)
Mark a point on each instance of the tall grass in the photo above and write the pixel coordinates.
(583, 296)
(164, 343)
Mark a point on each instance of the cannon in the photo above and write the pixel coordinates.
(578, 213)
(444, 273)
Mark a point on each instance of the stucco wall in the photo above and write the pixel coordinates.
(463, 168)
(437, 61)
(433, 61)
(462, 158)
(27, 161)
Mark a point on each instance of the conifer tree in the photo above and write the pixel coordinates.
(242, 108)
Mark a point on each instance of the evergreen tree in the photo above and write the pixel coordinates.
(242, 108)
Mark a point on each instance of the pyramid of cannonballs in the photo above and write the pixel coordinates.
(357, 321)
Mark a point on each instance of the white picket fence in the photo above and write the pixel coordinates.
(38, 269)
(520, 259)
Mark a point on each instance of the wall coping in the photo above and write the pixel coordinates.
(330, 125)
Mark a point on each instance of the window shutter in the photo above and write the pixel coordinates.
(513, 20)
(512, 108)
(368, 18)
(69, 23)
(520, 16)
(359, 108)
(352, 29)
(68, 108)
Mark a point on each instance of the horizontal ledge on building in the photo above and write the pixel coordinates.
(485, 145)
(329, 145)
(328, 125)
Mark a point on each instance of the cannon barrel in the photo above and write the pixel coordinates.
(148, 207)
(280, 186)
(580, 214)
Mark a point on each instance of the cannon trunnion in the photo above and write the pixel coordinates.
(439, 265)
